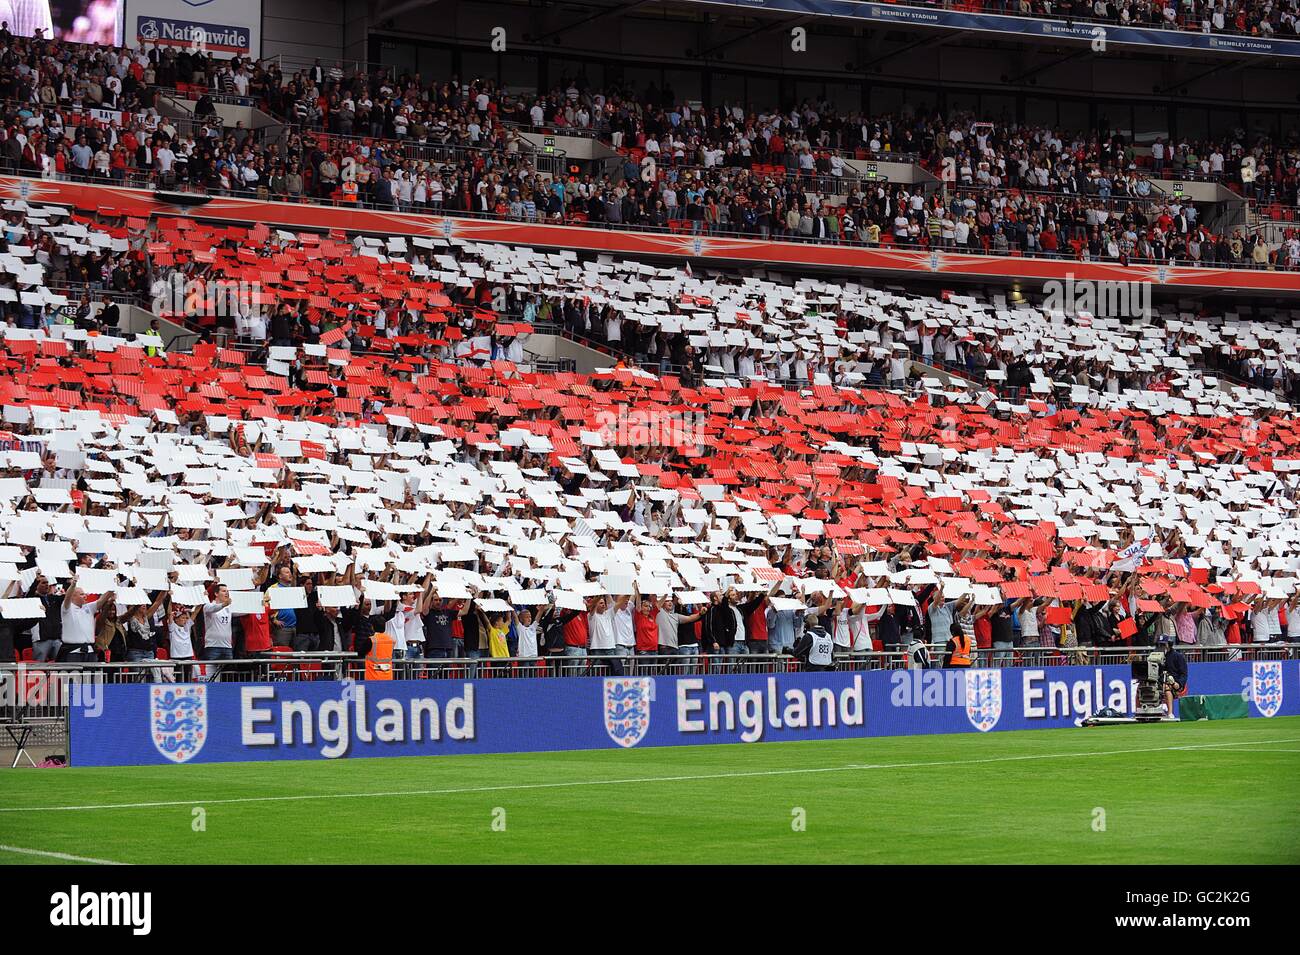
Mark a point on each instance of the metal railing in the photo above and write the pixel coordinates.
(1277, 213)
(402, 148)
(820, 183)
(276, 667)
(1010, 193)
(57, 681)
(216, 95)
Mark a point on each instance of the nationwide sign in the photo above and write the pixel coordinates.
(1056, 29)
(212, 37)
(141, 724)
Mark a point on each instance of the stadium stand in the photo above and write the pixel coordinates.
(380, 440)
(358, 424)
(387, 141)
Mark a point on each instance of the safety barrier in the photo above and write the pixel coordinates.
(333, 666)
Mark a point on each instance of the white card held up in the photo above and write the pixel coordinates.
(782, 604)
(335, 596)
(95, 581)
(247, 602)
(288, 598)
(131, 597)
(22, 608)
(236, 578)
(379, 590)
(569, 600)
(188, 596)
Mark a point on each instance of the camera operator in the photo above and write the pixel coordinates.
(814, 646)
(1173, 672)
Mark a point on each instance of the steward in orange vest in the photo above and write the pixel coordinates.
(957, 651)
(379, 661)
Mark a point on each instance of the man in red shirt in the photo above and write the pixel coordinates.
(1047, 239)
(573, 624)
(754, 612)
(257, 631)
(645, 623)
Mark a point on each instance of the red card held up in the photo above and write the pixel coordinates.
(1059, 616)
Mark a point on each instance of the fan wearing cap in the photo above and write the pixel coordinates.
(1173, 672)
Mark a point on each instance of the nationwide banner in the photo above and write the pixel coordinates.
(1082, 31)
(210, 37)
(156, 724)
(224, 27)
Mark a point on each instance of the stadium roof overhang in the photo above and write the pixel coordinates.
(984, 28)
(721, 34)
(902, 22)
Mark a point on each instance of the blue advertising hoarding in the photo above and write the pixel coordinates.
(154, 724)
(886, 13)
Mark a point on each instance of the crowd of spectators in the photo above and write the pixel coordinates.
(1258, 18)
(397, 142)
(505, 552)
(388, 449)
(400, 288)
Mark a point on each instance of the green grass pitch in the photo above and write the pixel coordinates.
(1105, 795)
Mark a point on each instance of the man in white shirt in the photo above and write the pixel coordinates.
(602, 639)
(624, 629)
(1293, 620)
(78, 620)
(600, 627)
(413, 627)
(165, 159)
(218, 643)
(898, 369)
(526, 626)
(1264, 622)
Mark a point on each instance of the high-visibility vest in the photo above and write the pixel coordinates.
(379, 661)
(819, 654)
(960, 651)
(349, 191)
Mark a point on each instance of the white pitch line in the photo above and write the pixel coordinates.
(520, 787)
(59, 855)
(1249, 742)
(1224, 749)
